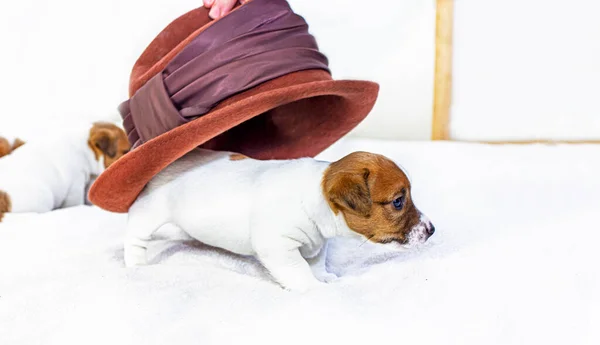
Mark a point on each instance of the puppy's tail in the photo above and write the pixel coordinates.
(5, 204)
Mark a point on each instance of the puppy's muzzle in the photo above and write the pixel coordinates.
(421, 232)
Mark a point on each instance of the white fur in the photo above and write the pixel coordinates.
(274, 210)
(49, 173)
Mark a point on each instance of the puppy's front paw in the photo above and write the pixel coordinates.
(135, 256)
(326, 277)
(302, 287)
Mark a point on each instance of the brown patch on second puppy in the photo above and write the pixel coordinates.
(237, 157)
(5, 147)
(366, 188)
(108, 141)
(5, 204)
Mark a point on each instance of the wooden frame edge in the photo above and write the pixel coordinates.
(442, 93)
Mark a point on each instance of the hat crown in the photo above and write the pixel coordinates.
(257, 42)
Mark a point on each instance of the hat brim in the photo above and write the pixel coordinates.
(293, 116)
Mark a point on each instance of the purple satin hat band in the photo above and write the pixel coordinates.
(258, 42)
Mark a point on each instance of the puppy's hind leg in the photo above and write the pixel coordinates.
(141, 224)
(76, 193)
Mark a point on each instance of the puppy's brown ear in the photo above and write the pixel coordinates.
(348, 189)
(103, 142)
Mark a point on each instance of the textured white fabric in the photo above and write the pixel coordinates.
(514, 260)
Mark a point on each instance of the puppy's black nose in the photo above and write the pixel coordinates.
(430, 229)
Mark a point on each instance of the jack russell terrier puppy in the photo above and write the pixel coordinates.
(53, 173)
(280, 211)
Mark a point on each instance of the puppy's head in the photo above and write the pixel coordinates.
(374, 196)
(108, 142)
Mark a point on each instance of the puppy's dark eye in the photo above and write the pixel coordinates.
(398, 203)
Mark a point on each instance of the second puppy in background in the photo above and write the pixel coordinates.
(53, 173)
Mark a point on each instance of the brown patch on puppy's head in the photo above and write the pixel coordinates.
(108, 142)
(5, 204)
(374, 196)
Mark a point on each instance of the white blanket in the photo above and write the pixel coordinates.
(515, 260)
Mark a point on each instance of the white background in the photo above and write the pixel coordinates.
(391, 42)
(67, 60)
(526, 70)
(523, 69)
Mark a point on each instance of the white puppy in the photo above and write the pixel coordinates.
(53, 173)
(281, 211)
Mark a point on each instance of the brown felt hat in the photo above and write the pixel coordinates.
(252, 82)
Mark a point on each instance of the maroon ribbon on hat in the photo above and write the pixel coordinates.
(258, 42)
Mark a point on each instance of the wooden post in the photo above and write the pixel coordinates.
(443, 70)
